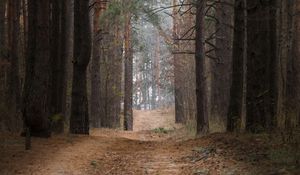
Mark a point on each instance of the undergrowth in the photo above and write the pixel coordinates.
(161, 130)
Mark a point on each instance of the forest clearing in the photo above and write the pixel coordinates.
(157, 150)
(150, 87)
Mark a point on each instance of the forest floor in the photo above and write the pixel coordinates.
(157, 146)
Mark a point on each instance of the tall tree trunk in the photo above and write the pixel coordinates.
(23, 41)
(55, 57)
(178, 66)
(36, 99)
(97, 107)
(222, 67)
(261, 87)
(201, 94)
(25, 24)
(63, 57)
(2, 27)
(13, 48)
(128, 114)
(117, 76)
(281, 62)
(157, 74)
(297, 58)
(2, 48)
(69, 57)
(57, 67)
(237, 107)
(95, 69)
(293, 68)
(79, 121)
(111, 54)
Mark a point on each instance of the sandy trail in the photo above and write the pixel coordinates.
(140, 152)
(149, 120)
(103, 152)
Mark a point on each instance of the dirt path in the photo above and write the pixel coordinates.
(104, 152)
(149, 120)
(111, 152)
(145, 151)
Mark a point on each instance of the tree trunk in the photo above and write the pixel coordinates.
(128, 114)
(293, 68)
(36, 107)
(156, 73)
(2, 48)
(178, 68)
(2, 27)
(69, 57)
(95, 69)
(117, 76)
(261, 87)
(237, 112)
(58, 65)
(25, 25)
(79, 121)
(111, 54)
(222, 67)
(201, 90)
(13, 95)
(64, 44)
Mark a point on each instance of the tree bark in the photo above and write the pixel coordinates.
(79, 121)
(64, 44)
(237, 111)
(128, 113)
(111, 54)
(2, 27)
(201, 90)
(95, 70)
(36, 107)
(222, 67)
(13, 94)
(261, 77)
(57, 64)
(178, 67)
(293, 68)
(69, 57)
(2, 49)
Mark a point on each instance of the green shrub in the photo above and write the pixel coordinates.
(161, 130)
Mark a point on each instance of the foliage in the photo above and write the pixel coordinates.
(56, 118)
(154, 19)
(113, 11)
(116, 10)
(94, 163)
(161, 131)
(257, 129)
